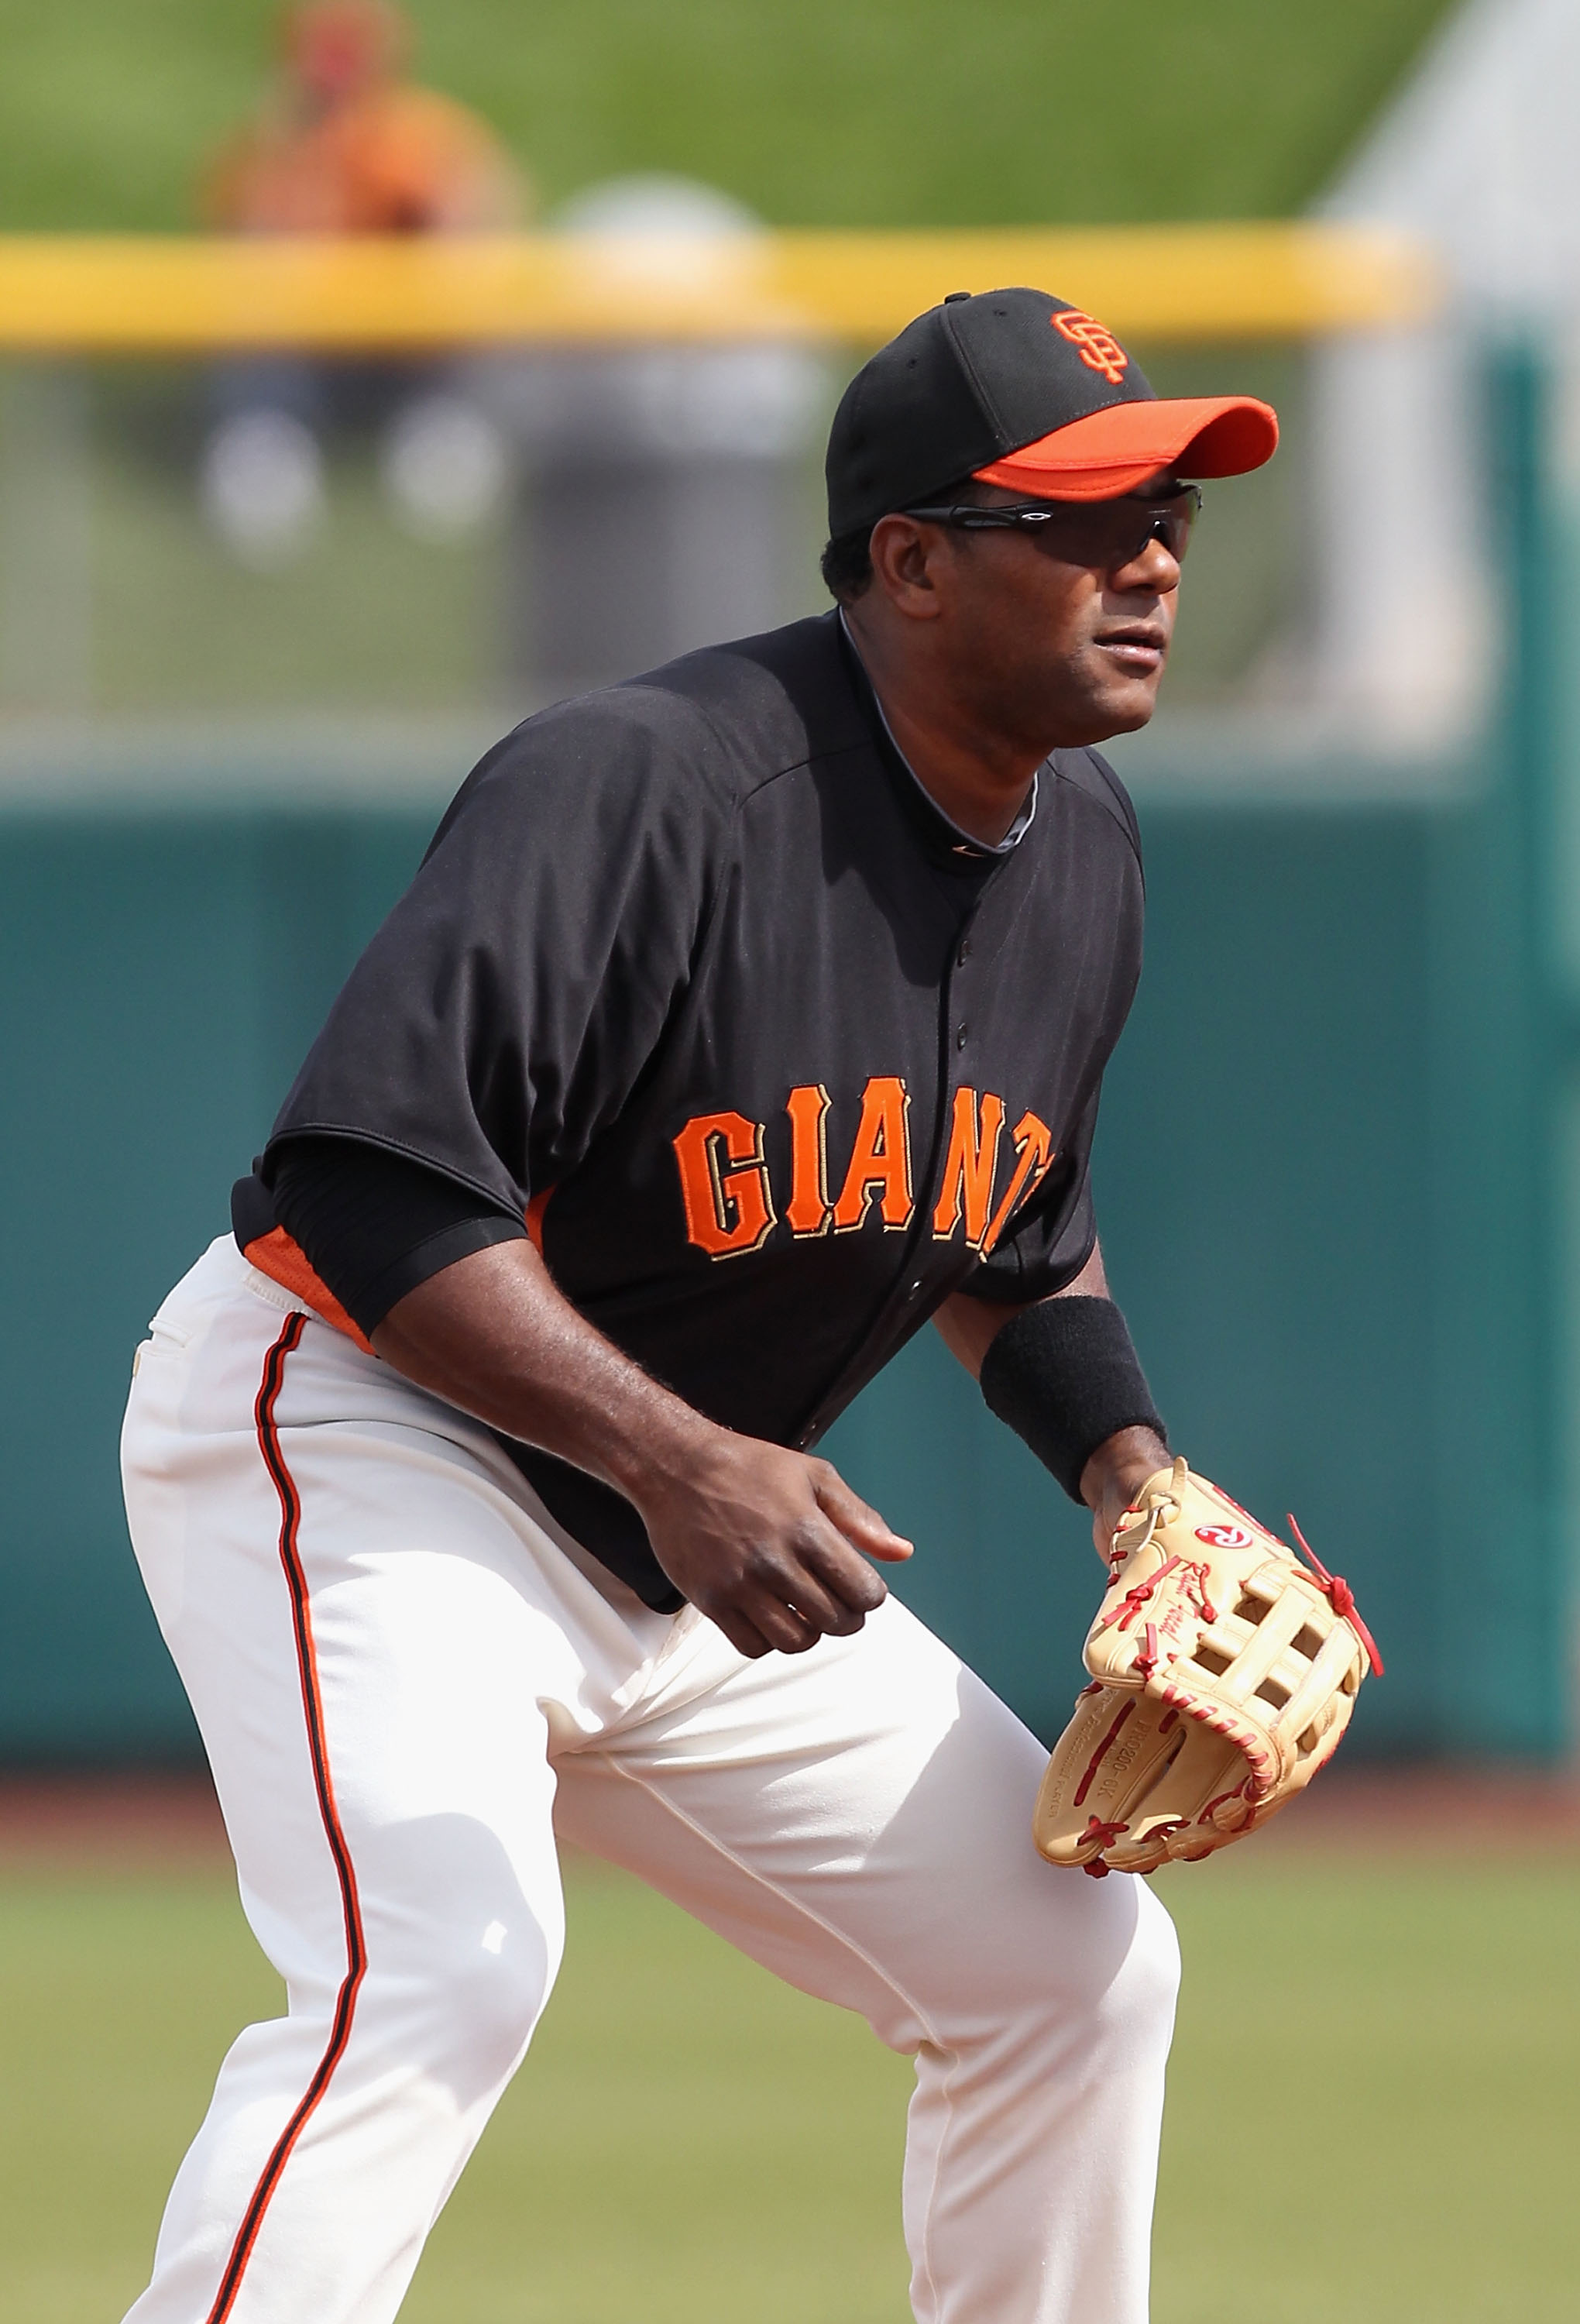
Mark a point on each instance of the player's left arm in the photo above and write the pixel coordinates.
(1176, 1746)
(1118, 1463)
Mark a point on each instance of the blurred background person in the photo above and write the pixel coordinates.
(345, 144)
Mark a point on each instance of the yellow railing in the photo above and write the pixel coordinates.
(143, 295)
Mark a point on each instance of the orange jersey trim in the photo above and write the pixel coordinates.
(282, 1258)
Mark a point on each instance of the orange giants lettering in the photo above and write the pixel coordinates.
(881, 1161)
(730, 1202)
(969, 1165)
(725, 1184)
(807, 1211)
(1033, 1153)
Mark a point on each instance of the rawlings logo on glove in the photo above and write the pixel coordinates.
(1223, 1674)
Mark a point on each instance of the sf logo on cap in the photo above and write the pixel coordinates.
(1099, 349)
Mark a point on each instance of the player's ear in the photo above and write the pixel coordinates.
(906, 556)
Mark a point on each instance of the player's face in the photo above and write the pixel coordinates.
(1048, 649)
(1066, 646)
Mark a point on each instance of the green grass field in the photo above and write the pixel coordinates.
(910, 112)
(1370, 2116)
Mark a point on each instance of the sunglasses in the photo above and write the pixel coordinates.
(1106, 535)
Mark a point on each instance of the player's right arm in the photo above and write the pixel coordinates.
(770, 1543)
(491, 1032)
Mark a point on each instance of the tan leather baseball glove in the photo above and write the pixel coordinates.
(1224, 1674)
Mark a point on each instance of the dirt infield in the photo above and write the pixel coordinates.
(146, 1821)
(134, 1820)
(1429, 1809)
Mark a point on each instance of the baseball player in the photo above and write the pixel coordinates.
(741, 1019)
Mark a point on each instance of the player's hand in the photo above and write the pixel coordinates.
(772, 1545)
(1115, 1475)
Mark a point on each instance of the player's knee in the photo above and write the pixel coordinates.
(495, 1999)
(462, 2014)
(1146, 1985)
(460, 1961)
(1111, 1968)
(1132, 1985)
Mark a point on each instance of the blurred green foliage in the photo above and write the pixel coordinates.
(886, 111)
(831, 112)
(368, 618)
(1370, 2113)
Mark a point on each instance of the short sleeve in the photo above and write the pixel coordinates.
(1049, 1239)
(500, 1017)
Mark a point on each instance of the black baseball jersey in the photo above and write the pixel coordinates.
(693, 979)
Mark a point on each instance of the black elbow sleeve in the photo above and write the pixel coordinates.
(374, 1225)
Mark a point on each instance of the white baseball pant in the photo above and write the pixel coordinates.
(405, 1675)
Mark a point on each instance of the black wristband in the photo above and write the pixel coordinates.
(1065, 1376)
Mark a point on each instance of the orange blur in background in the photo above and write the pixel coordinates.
(345, 143)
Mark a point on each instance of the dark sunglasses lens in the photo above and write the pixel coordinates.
(1180, 522)
(1169, 522)
(1108, 535)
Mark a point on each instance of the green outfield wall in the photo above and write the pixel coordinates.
(1335, 1177)
(1315, 1179)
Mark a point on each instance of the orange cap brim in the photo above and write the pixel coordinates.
(1113, 450)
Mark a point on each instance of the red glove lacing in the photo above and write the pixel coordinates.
(1340, 1596)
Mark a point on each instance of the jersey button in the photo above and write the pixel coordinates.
(965, 948)
(960, 1038)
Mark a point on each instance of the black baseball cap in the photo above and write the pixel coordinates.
(1021, 389)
